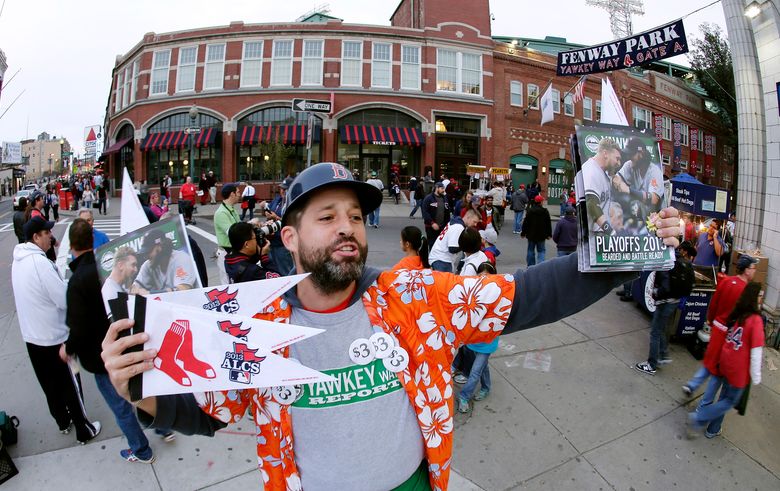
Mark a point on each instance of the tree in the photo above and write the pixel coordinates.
(711, 64)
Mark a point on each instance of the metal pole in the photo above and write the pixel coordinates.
(308, 140)
(192, 159)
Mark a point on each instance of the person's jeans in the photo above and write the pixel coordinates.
(519, 220)
(102, 206)
(658, 343)
(373, 218)
(412, 201)
(56, 210)
(88, 204)
(627, 287)
(565, 253)
(480, 372)
(698, 378)
(709, 393)
(125, 418)
(417, 204)
(250, 209)
(443, 266)
(536, 251)
(712, 414)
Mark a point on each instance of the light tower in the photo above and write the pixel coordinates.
(620, 12)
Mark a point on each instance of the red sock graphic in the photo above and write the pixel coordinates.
(169, 352)
(187, 357)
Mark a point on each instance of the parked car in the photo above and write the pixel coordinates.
(22, 193)
(30, 187)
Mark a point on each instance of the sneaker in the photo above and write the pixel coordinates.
(687, 390)
(713, 435)
(482, 394)
(168, 436)
(664, 361)
(129, 456)
(460, 379)
(97, 427)
(645, 368)
(463, 405)
(66, 430)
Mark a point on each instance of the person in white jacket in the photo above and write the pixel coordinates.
(39, 292)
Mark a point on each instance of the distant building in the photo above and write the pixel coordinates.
(434, 90)
(44, 155)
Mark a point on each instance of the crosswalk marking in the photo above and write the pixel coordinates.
(6, 227)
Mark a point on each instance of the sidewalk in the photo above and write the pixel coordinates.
(567, 412)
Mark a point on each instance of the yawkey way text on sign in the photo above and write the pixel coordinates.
(656, 44)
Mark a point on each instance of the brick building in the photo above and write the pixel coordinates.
(431, 91)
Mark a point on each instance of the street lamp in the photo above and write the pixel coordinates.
(752, 10)
(62, 154)
(193, 117)
(51, 157)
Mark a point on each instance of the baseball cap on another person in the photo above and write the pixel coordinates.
(286, 183)
(439, 184)
(745, 261)
(489, 235)
(476, 199)
(538, 198)
(151, 239)
(634, 145)
(228, 189)
(36, 225)
(569, 210)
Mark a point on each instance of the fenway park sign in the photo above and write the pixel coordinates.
(653, 45)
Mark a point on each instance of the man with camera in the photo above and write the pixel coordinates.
(248, 260)
(224, 217)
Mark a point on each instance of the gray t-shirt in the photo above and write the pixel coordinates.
(361, 432)
(180, 271)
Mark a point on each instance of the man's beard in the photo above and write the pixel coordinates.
(328, 275)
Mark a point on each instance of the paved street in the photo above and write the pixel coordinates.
(567, 410)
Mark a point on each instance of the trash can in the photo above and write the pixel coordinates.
(65, 199)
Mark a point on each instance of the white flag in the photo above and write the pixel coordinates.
(133, 216)
(611, 109)
(547, 105)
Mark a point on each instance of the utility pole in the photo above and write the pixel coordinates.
(620, 12)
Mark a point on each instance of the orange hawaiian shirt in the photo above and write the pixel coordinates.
(431, 315)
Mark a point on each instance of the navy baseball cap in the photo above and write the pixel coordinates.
(36, 225)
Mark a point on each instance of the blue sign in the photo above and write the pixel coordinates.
(692, 196)
(694, 312)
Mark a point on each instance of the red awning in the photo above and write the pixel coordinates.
(283, 133)
(206, 138)
(117, 146)
(164, 141)
(381, 135)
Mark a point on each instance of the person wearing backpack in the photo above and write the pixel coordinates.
(669, 287)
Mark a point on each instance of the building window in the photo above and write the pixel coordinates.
(556, 100)
(587, 108)
(281, 63)
(643, 118)
(311, 70)
(128, 82)
(684, 134)
(458, 72)
(381, 64)
(134, 85)
(684, 165)
(119, 85)
(516, 93)
(533, 96)
(410, 67)
(700, 146)
(667, 128)
(161, 61)
(598, 110)
(252, 64)
(214, 74)
(185, 77)
(351, 63)
(568, 105)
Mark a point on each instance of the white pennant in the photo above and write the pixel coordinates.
(611, 110)
(132, 214)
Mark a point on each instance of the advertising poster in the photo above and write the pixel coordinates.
(620, 189)
(12, 153)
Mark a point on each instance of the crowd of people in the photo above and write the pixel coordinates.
(316, 224)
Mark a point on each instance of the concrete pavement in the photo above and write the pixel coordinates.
(567, 411)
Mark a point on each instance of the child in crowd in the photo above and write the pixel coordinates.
(480, 371)
(470, 242)
(415, 247)
(489, 239)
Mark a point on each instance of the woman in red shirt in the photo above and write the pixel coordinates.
(187, 193)
(739, 362)
(415, 247)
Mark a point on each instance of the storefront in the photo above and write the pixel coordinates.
(381, 140)
(457, 146)
(166, 148)
(122, 153)
(272, 144)
(560, 180)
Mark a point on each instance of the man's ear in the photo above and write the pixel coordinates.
(289, 235)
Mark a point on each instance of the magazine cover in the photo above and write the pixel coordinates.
(620, 188)
(153, 259)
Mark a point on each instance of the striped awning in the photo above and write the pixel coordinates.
(178, 139)
(117, 146)
(286, 134)
(381, 135)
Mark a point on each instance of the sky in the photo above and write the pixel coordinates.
(65, 50)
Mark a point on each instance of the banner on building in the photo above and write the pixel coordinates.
(693, 165)
(652, 45)
(12, 153)
(547, 105)
(658, 125)
(709, 151)
(677, 148)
